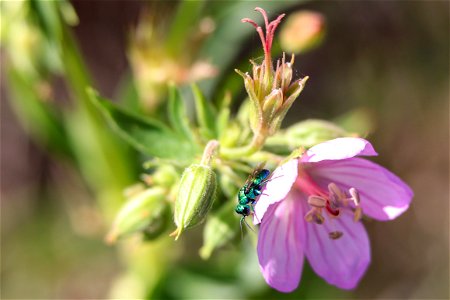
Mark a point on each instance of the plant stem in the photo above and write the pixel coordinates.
(255, 145)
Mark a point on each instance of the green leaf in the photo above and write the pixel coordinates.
(177, 114)
(147, 135)
(206, 115)
(223, 117)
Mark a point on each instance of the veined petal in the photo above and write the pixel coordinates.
(340, 148)
(280, 244)
(277, 188)
(341, 262)
(383, 195)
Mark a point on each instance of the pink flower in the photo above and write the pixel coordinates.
(312, 208)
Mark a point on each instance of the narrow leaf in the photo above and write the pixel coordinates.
(177, 114)
(147, 135)
(206, 115)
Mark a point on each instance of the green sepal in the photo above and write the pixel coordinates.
(176, 112)
(206, 114)
(147, 135)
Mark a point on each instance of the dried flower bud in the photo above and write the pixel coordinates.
(141, 211)
(195, 197)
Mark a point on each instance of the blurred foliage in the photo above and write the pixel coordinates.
(385, 68)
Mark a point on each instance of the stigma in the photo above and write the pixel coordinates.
(331, 202)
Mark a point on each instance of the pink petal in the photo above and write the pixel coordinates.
(341, 262)
(280, 241)
(340, 148)
(277, 188)
(383, 195)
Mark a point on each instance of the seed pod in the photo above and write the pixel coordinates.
(141, 211)
(195, 197)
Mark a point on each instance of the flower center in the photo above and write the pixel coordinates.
(331, 201)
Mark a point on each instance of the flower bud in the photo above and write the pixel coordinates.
(302, 31)
(195, 197)
(272, 103)
(311, 132)
(141, 211)
(220, 228)
(165, 176)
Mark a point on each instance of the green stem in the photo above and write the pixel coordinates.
(255, 145)
(209, 152)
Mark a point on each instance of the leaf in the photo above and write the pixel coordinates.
(147, 135)
(223, 117)
(177, 114)
(206, 115)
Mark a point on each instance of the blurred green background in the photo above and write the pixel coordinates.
(382, 69)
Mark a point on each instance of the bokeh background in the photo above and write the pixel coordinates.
(382, 69)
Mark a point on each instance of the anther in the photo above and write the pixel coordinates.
(317, 201)
(355, 195)
(335, 190)
(314, 216)
(334, 235)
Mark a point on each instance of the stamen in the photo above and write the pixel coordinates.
(317, 201)
(315, 216)
(355, 195)
(357, 214)
(335, 190)
(334, 235)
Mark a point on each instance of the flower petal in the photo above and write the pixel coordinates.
(277, 188)
(341, 262)
(383, 195)
(280, 241)
(340, 148)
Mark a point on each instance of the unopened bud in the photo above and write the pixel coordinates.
(139, 212)
(195, 197)
(302, 31)
(312, 132)
(165, 176)
(272, 104)
(220, 228)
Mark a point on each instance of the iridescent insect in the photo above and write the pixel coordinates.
(249, 193)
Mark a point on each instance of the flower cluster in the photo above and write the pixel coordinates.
(271, 92)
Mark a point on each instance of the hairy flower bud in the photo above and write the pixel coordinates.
(220, 228)
(164, 176)
(195, 197)
(311, 132)
(142, 210)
